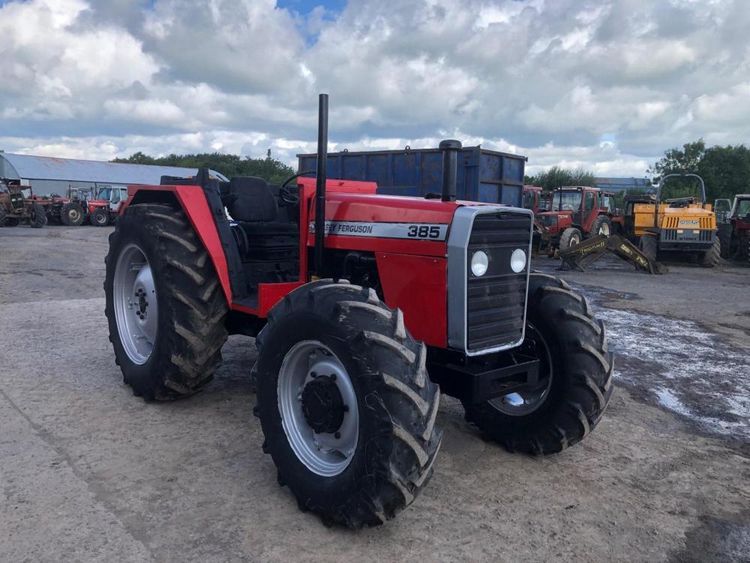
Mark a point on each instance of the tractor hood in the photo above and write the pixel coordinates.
(553, 218)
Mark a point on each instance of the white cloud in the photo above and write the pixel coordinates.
(606, 85)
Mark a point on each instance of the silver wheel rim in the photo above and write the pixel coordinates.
(604, 229)
(325, 454)
(135, 304)
(526, 402)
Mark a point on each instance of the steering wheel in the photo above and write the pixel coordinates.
(290, 194)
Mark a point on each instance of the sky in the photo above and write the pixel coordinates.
(606, 85)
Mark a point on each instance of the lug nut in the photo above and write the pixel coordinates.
(345, 408)
(333, 377)
(337, 435)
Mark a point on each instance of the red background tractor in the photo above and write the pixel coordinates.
(734, 229)
(578, 212)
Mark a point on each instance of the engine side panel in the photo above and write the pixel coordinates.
(417, 285)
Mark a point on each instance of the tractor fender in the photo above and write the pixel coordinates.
(194, 203)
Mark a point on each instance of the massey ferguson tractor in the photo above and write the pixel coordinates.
(364, 308)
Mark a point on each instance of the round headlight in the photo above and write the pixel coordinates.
(479, 263)
(518, 260)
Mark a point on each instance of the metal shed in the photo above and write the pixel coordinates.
(48, 175)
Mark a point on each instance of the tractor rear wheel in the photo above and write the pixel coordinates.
(569, 238)
(3, 216)
(712, 257)
(164, 303)
(71, 214)
(345, 403)
(99, 217)
(38, 217)
(575, 376)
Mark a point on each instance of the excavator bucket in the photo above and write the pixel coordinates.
(590, 250)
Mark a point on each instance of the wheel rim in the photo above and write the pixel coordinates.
(574, 239)
(100, 218)
(522, 403)
(325, 452)
(604, 229)
(135, 303)
(74, 215)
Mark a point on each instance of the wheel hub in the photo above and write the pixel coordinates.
(318, 407)
(323, 405)
(135, 304)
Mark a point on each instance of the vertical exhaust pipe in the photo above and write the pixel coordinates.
(450, 149)
(320, 184)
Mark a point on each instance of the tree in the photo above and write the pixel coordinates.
(270, 169)
(558, 176)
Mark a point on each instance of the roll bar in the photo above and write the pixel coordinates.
(660, 186)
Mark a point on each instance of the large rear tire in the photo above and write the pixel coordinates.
(3, 216)
(712, 257)
(346, 406)
(575, 379)
(38, 217)
(164, 303)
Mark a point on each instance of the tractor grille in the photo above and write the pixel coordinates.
(496, 302)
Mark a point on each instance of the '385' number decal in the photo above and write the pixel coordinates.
(424, 231)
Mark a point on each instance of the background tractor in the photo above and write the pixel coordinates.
(684, 226)
(18, 206)
(365, 308)
(104, 207)
(734, 228)
(577, 213)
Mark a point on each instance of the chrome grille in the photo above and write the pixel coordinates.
(496, 302)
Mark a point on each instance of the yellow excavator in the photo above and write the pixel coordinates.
(676, 228)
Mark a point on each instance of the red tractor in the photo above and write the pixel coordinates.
(535, 199)
(104, 208)
(734, 228)
(365, 308)
(578, 212)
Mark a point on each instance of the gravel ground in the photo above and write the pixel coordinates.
(90, 472)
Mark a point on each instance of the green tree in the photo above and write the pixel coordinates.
(558, 176)
(270, 169)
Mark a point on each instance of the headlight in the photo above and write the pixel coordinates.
(479, 263)
(517, 261)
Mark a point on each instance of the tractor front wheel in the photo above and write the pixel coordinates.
(164, 303)
(575, 376)
(570, 237)
(345, 403)
(99, 217)
(601, 226)
(71, 214)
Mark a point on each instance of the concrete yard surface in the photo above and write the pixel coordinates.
(89, 472)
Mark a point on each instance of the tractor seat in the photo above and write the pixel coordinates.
(254, 205)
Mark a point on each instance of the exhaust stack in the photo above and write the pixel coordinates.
(320, 184)
(450, 149)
